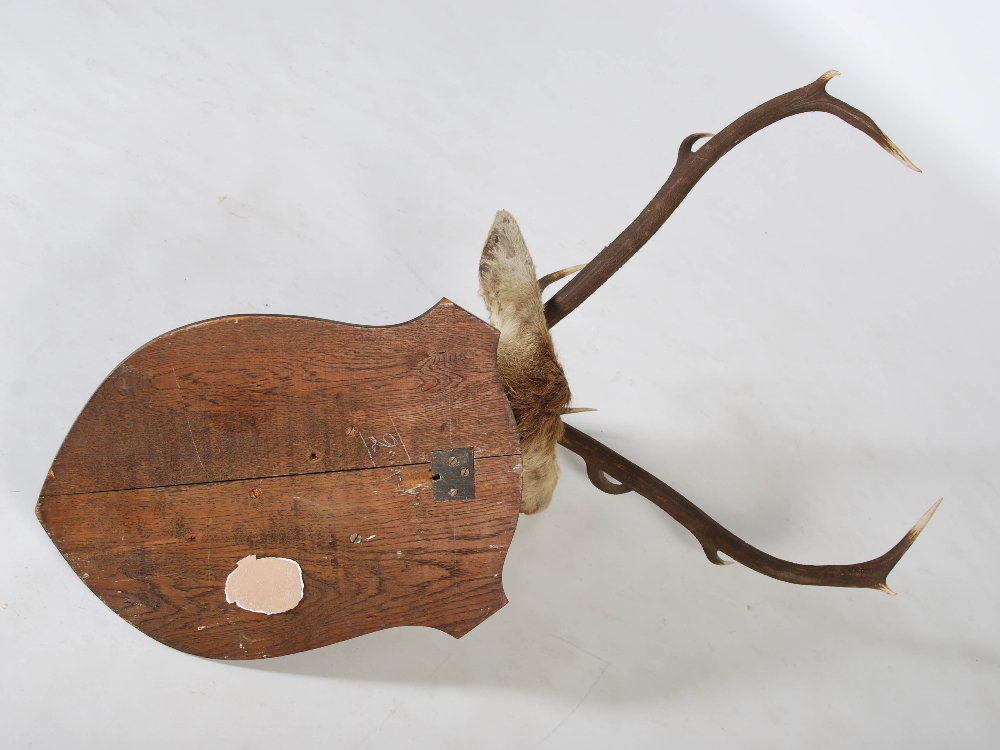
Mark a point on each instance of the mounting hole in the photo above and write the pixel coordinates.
(435, 477)
(313, 456)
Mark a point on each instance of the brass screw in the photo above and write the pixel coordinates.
(356, 538)
(465, 472)
(255, 492)
(351, 431)
(453, 491)
(452, 461)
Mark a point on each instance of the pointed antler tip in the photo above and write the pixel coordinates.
(687, 145)
(893, 556)
(713, 556)
(556, 275)
(893, 149)
(924, 519)
(828, 75)
(872, 129)
(910, 164)
(867, 125)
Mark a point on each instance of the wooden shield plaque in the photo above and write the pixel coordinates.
(384, 462)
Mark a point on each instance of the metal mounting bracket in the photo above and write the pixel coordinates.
(453, 474)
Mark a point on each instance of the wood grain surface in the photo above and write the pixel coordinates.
(287, 437)
(268, 395)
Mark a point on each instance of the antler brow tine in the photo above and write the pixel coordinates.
(560, 274)
(603, 462)
(691, 166)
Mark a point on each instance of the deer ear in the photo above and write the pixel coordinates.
(532, 378)
(507, 279)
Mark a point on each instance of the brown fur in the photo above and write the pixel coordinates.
(532, 377)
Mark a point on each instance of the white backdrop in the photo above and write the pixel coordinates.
(809, 350)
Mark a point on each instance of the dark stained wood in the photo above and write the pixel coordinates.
(159, 557)
(269, 395)
(284, 437)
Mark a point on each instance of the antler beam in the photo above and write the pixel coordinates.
(603, 462)
(691, 166)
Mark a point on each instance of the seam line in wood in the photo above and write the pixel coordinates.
(262, 477)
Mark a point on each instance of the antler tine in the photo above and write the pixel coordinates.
(714, 538)
(560, 274)
(691, 166)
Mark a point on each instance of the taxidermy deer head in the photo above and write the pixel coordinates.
(536, 386)
(258, 485)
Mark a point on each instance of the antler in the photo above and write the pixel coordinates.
(536, 385)
(603, 462)
(691, 166)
